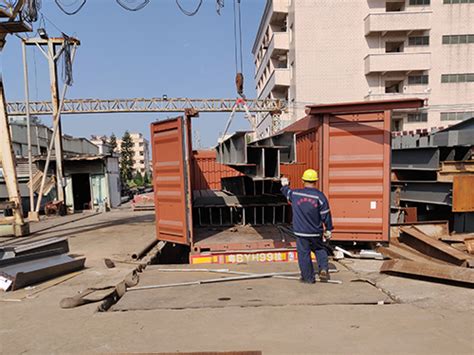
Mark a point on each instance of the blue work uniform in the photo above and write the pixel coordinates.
(311, 215)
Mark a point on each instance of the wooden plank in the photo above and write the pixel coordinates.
(456, 238)
(463, 198)
(398, 252)
(435, 230)
(469, 242)
(432, 247)
(456, 274)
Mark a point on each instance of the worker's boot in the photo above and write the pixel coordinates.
(324, 275)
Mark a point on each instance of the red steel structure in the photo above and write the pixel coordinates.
(348, 143)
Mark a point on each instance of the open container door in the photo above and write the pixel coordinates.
(356, 175)
(170, 142)
(355, 165)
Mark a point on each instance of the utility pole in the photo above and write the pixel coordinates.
(49, 48)
(14, 225)
(31, 214)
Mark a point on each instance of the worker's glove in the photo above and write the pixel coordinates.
(284, 181)
(327, 235)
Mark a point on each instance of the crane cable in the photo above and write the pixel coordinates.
(239, 65)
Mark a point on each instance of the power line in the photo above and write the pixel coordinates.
(70, 13)
(219, 6)
(189, 13)
(31, 10)
(136, 8)
(44, 17)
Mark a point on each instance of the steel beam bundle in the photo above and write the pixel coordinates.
(258, 159)
(242, 215)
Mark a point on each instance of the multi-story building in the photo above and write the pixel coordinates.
(102, 143)
(141, 153)
(324, 51)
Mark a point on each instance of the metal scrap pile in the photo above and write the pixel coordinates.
(143, 202)
(24, 263)
(428, 251)
(432, 177)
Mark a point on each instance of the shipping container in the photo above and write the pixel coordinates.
(349, 144)
(207, 172)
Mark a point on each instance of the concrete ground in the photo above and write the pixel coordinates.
(274, 316)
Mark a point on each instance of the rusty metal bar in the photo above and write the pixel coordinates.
(128, 105)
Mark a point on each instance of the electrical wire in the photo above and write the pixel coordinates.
(136, 8)
(31, 9)
(70, 13)
(219, 6)
(42, 21)
(189, 13)
(67, 61)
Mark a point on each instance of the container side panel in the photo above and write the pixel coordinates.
(169, 181)
(307, 153)
(355, 176)
(207, 172)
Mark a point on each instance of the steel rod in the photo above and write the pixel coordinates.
(28, 126)
(209, 281)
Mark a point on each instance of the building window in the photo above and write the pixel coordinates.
(419, 41)
(394, 6)
(457, 78)
(420, 2)
(393, 47)
(458, 1)
(393, 87)
(418, 79)
(418, 117)
(456, 116)
(458, 39)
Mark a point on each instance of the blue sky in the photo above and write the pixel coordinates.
(148, 53)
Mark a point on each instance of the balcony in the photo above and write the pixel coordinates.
(397, 21)
(390, 62)
(397, 95)
(280, 78)
(279, 45)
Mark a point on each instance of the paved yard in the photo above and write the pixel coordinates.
(275, 316)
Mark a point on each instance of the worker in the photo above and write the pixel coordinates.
(312, 225)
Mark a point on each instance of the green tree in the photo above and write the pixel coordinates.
(126, 157)
(146, 179)
(138, 179)
(112, 142)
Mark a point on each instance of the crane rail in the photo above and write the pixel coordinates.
(136, 105)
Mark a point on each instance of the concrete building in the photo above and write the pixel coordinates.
(41, 136)
(92, 181)
(141, 153)
(324, 51)
(101, 143)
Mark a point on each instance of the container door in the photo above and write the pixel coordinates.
(356, 175)
(170, 151)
